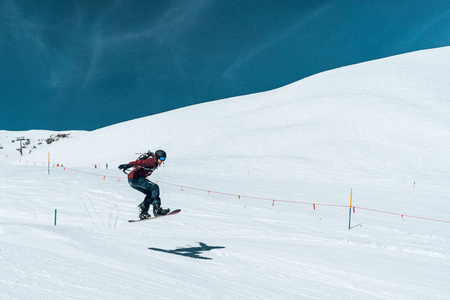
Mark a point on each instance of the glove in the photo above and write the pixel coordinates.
(124, 167)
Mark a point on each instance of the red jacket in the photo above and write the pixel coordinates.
(143, 168)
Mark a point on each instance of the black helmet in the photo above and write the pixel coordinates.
(161, 154)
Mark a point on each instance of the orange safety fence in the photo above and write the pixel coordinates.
(182, 187)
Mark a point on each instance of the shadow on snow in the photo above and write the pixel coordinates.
(193, 252)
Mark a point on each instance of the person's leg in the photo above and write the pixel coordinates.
(141, 185)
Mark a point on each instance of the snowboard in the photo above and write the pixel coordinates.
(174, 212)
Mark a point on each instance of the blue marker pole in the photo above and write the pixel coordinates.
(55, 215)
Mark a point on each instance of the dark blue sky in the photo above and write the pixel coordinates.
(88, 64)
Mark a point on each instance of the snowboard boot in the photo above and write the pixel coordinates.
(158, 211)
(144, 215)
(144, 211)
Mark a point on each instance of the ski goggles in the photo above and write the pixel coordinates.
(163, 158)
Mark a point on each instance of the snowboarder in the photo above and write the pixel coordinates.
(137, 179)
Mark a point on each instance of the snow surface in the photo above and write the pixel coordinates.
(380, 128)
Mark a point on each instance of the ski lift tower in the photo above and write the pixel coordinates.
(20, 139)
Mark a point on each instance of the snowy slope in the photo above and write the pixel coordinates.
(380, 128)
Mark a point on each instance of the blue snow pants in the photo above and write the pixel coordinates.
(150, 189)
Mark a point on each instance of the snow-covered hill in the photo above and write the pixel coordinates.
(380, 128)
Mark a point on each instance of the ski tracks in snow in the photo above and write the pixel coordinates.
(114, 217)
(98, 208)
(91, 211)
